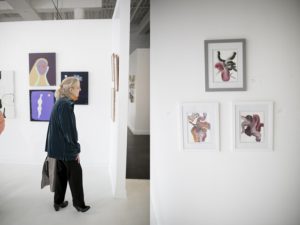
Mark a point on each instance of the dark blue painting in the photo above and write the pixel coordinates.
(84, 84)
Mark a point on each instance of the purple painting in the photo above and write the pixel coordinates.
(41, 103)
(42, 69)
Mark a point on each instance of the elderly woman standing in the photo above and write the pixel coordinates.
(62, 144)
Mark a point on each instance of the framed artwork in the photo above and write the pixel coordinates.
(113, 104)
(84, 85)
(199, 126)
(115, 70)
(113, 67)
(225, 65)
(42, 69)
(7, 94)
(41, 104)
(253, 126)
(131, 88)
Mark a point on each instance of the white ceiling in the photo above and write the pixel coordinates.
(28, 10)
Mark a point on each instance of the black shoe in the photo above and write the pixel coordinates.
(61, 205)
(82, 209)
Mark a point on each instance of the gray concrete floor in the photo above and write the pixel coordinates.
(138, 156)
(23, 202)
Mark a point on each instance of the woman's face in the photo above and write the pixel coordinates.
(42, 66)
(75, 90)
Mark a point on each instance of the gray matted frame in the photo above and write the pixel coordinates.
(227, 73)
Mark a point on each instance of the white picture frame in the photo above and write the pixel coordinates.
(253, 126)
(199, 124)
(7, 94)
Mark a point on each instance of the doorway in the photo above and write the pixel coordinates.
(138, 135)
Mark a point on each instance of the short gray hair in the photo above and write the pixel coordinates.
(63, 89)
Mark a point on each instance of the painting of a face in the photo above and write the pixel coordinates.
(42, 69)
(42, 66)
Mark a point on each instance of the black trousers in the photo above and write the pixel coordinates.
(69, 171)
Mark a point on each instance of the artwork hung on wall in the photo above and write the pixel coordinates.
(41, 104)
(7, 94)
(84, 85)
(131, 88)
(113, 104)
(225, 65)
(200, 126)
(115, 70)
(113, 67)
(42, 69)
(253, 126)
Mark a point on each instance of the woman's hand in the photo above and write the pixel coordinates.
(77, 158)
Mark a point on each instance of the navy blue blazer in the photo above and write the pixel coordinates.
(62, 138)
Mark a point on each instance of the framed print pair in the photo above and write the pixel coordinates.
(252, 126)
(115, 69)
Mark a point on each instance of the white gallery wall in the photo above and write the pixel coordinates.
(139, 109)
(80, 45)
(118, 140)
(225, 187)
